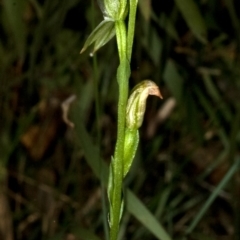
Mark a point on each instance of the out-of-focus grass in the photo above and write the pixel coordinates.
(186, 172)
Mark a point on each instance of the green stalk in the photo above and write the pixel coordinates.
(131, 26)
(124, 43)
(100, 36)
(123, 73)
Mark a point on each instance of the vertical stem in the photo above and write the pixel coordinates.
(131, 26)
(124, 43)
(123, 73)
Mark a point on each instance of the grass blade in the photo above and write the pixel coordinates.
(14, 11)
(193, 18)
(173, 80)
(135, 207)
(214, 194)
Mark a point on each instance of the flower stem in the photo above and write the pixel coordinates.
(124, 43)
(131, 26)
(123, 74)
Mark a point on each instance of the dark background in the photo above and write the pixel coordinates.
(186, 168)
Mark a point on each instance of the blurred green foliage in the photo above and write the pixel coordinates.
(186, 172)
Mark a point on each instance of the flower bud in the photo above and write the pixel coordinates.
(114, 9)
(137, 103)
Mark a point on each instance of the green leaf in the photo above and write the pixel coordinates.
(173, 80)
(214, 194)
(135, 206)
(145, 8)
(90, 150)
(130, 148)
(14, 11)
(103, 33)
(193, 18)
(104, 38)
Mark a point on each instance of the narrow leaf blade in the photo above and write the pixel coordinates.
(135, 207)
(193, 18)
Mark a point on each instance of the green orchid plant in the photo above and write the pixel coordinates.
(130, 110)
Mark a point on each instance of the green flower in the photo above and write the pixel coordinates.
(135, 112)
(137, 103)
(113, 10)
